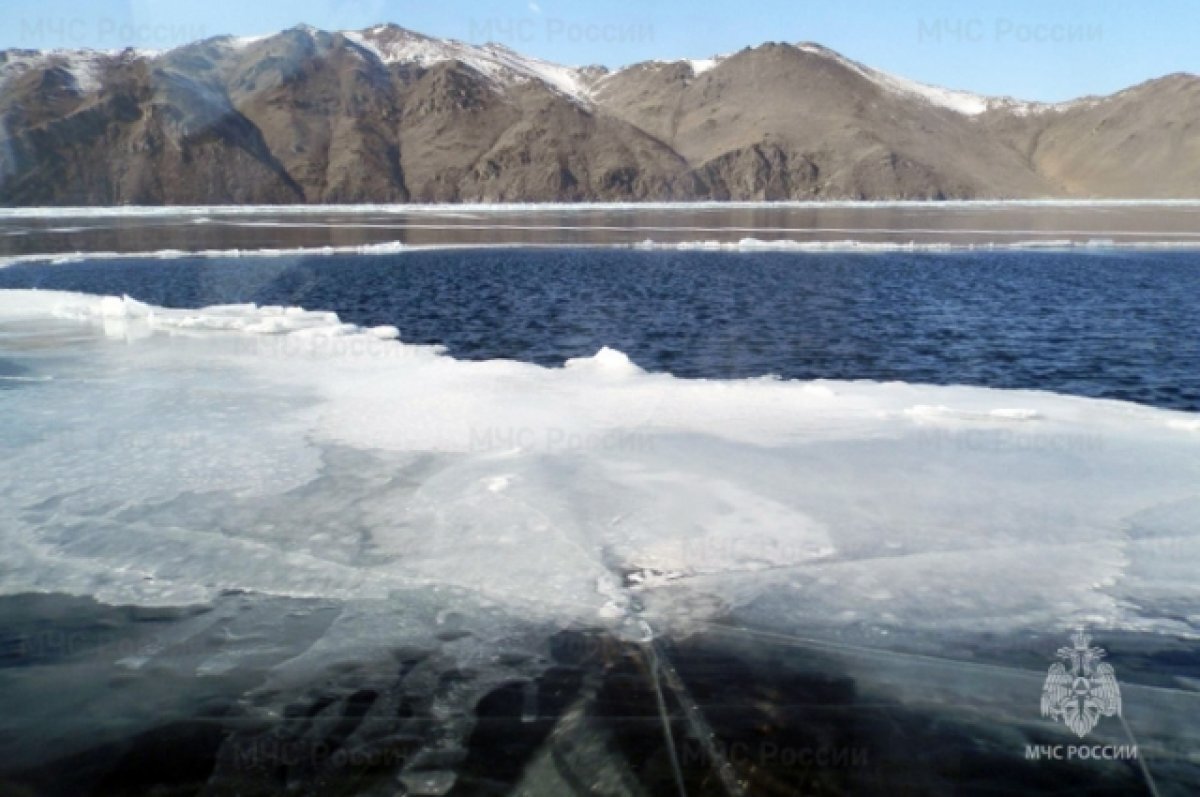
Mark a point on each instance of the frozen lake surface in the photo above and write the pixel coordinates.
(559, 520)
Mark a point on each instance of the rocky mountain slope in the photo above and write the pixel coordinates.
(389, 115)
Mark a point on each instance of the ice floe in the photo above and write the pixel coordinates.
(281, 451)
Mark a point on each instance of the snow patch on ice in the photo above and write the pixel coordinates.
(122, 315)
(606, 362)
(937, 412)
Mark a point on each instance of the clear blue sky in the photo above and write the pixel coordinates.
(1032, 49)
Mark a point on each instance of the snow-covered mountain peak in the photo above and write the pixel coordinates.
(963, 102)
(500, 64)
(504, 67)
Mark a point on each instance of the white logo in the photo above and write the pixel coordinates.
(1079, 696)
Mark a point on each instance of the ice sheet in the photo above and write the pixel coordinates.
(169, 456)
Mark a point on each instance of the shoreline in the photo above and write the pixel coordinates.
(81, 211)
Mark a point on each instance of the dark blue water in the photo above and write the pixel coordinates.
(1103, 324)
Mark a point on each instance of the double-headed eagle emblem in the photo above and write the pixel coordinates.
(1081, 689)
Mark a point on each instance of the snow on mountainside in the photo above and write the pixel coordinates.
(701, 65)
(964, 102)
(83, 66)
(14, 63)
(393, 45)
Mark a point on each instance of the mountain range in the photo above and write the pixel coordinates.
(389, 115)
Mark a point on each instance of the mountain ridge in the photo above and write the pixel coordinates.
(386, 114)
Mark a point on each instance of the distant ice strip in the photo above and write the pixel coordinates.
(551, 207)
(637, 228)
(382, 248)
(784, 245)
(279, 451)
(743, 245)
